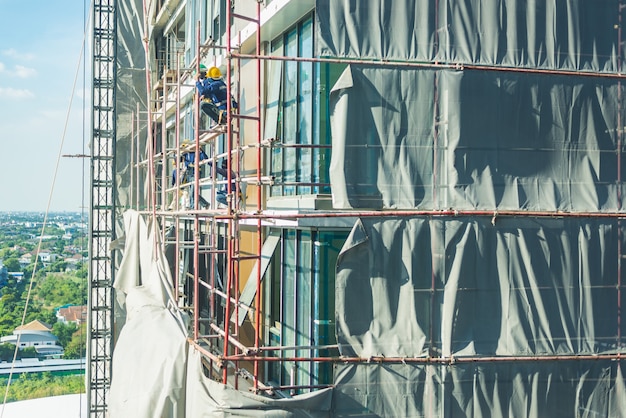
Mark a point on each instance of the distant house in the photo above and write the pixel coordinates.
(75, 259)
(17, 275)
(47, 258)
(25, 260)
(38, 335)
(72, 313)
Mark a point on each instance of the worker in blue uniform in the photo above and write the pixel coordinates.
(213, 94)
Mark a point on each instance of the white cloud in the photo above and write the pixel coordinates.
(24, 72)
(1, 67)
(11, 52)
(12, 93)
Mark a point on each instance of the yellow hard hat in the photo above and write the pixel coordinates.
(214, 72)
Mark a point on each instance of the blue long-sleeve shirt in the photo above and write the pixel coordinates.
(216, 91)
(190, 161)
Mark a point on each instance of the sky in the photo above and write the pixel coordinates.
(40, 57)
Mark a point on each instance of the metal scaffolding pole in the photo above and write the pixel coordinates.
(102, 207)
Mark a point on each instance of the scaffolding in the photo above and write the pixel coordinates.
(220, 250)
(102, 209)
(195, 230)
(208, 256)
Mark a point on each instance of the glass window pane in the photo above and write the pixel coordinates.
(288, 295)
(325, 252)
(305, 110)
(276, 156)
(304, 323)
(290, 112)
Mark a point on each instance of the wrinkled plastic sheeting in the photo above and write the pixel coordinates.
(417, 287)
(155, 372)
(532, 389)
(448, 289)
(207, 398)
(149, 360)
(130, 93)
(435, 139)
(565, 35)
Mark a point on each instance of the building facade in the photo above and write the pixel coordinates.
(421, 213)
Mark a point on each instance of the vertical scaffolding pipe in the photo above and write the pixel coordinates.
(138, 153)
(150, 136)
(619, 133)
(433, 284)
(196, 199)
(177, 182)
(133, 158)
(164, 182)
(229, 254)
(257, 312)
(234, 204)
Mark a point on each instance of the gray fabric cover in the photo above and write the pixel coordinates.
(591, 388)
(550, 34)
(439, 139)
(149, 360)
(208, 398)
(451, 289)
(486, 106)
(155, 372)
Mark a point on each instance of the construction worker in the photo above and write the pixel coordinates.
(190, 163)
(222, 170)
(213, 94)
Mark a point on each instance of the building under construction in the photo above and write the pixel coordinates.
(419, 211)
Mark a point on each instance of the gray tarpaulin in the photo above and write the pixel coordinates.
(498, 140)
(458, 287)
(208, 398)
(590, 388)
(149, 360)
(155, 372)
(547, 34)
(129, 94)
(502, 105)
(455, 288)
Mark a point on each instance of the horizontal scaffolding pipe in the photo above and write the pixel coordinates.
(428, 360)
(430, 65)
(432, 213)
(223, 295)
(299, 347)
(231, 339)
(223, 214)
(246, 18)
(205, 352)
(295, 387)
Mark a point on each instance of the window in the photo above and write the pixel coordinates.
(292, 117)
(219, 21)
(299, 298)
(297, 113)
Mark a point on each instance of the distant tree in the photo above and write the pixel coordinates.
(12, 264)
(47, 316)
(64, 332)
(7, 351)
(77, 347)
(28, 352)
(42, 385)
(58, 266)
(82, 272)
(61, 289)
(6, 251)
